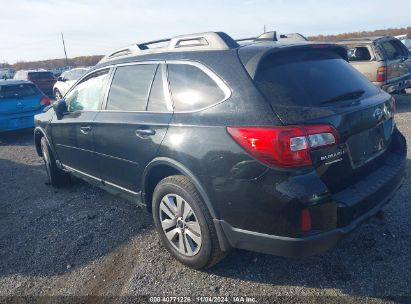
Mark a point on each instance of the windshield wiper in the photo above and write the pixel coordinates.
(345, 96)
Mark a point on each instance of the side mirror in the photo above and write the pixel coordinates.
(61, 79)
(60, 108)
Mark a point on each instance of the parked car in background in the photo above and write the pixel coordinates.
(43, 79)
(281, 148)
(383, 60)
(7, 73)
(20, 100)
(59, 70)
(66, 81)
(406, 41)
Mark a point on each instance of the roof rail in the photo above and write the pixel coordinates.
(191, 42)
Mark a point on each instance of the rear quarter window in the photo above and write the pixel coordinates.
(308, 78)
(192, 88)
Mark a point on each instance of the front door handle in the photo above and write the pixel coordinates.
(145, 132)
(85, 130)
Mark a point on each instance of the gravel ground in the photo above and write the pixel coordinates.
(82, 241)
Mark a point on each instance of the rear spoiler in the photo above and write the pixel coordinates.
(253, 63)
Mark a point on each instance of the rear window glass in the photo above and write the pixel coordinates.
(20, 90)
(309, 78)
(40, 75)
(191, 88)
(359, 53)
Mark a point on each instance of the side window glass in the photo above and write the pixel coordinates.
(130, 87)
(390, 50)
(158, 99)
(399, 47)
(191, 88)
(67, 75)
(359, 53)
(88, 94)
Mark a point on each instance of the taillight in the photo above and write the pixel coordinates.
(45, 101)
(381, 74)
(285, 146)
(305, 220)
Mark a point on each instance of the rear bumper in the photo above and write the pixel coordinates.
(17, 121)
(294, 247)
(355, 205)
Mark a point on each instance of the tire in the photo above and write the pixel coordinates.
(56, 177)
(57, 94)
(199, 247)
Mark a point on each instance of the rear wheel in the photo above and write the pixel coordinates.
(56, 177)
(184, 223)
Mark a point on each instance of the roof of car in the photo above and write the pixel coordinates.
(12, 81)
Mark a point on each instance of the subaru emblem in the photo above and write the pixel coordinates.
(377, 114)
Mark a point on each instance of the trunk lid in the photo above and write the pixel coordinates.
(365, 129)
(319, 87)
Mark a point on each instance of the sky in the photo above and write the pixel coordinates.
(31, 29)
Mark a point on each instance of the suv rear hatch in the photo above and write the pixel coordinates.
(315, 85)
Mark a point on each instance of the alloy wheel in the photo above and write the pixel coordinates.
(180, 224)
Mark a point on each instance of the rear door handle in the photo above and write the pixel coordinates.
(145, 132)
(85, 130)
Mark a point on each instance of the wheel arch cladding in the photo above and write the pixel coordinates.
(38, 135)
(162, 167)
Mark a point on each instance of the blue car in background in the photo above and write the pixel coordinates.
(20, 100)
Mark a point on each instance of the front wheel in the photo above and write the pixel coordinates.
(56, 177)
(184, 223)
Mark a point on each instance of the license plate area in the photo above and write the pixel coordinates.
(368, 144)
(21, 122)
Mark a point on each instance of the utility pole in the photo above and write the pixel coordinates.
(264, 28)
(64, 46)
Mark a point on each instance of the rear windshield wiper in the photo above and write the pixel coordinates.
(345, 96)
